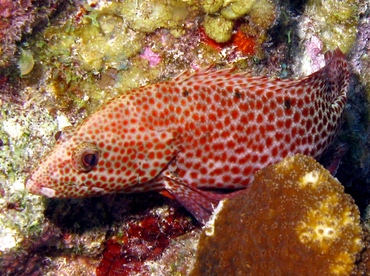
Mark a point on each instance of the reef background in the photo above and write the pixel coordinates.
(60, 60)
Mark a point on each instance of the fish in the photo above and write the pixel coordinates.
(199, 137)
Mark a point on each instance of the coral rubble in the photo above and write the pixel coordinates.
(294, 219)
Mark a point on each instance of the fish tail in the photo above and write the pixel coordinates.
(336, 72)
(332, 80)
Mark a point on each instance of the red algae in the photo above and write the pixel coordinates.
(244, 43)
(143, 240)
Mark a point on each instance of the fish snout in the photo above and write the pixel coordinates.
(30, 185)
(35, 187)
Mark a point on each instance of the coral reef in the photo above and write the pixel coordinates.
(28, 260)
(22, 222)
(178, 258)
(339, 27)
(326, 25)
(218, 28)
(116, 235)
(137, 44)
(98, 51)
(294, 219)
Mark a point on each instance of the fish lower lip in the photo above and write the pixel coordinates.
(47, 192)
(98, 190)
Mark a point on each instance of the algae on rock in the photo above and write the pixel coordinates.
(336, 22)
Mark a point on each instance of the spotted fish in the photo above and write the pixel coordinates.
(196, 136)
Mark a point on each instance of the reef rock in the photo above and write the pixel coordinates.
(294, 219)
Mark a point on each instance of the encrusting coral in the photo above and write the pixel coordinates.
(294, 219)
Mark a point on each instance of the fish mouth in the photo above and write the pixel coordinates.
(34, 187)
(37, 189)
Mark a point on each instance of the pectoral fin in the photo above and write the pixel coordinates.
(199, 203)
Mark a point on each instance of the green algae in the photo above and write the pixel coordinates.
(26, 62)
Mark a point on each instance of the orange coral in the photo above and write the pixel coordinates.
(294, 219)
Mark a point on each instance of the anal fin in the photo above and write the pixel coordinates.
(332, 157)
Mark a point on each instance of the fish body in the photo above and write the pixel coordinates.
(196, 135)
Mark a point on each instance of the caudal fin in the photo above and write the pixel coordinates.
(336, 75)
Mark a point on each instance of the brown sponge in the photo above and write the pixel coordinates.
(294, 219)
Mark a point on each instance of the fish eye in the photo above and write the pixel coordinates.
(89, 159)
(85, 157)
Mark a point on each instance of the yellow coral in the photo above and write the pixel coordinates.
(320, 226)
(218, 28)
(263, 13)
(237, 8)
(310, 179)
(149, 15)
(212, 6)
(106, 45)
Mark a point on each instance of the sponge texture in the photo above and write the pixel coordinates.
(294, 219)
